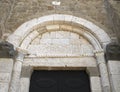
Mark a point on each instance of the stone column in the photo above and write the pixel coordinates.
(103, 71)
(25, 78)
(15, 82)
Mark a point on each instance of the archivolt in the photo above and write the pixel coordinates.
(29, 30)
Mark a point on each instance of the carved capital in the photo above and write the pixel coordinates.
(20, 57)
(100, 56)
(7, 50)
(99, 52)
(113, 51)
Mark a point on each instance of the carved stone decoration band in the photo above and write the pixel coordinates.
(103, 71)
(15, 83)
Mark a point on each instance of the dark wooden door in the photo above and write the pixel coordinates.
(59, 81)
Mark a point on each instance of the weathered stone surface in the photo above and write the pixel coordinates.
(113, 51)
(114, 73)
(59, 43)
(6, 65)
(4, 87)
(14, 13)
(60, 62)
(114, 67)
(5, 77)
(95, 84)
(6, 50)
(113, 11)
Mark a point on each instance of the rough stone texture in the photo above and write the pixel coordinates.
(95, 84)
(6, 50)
(60, 62)
(15, 12)
(58, 43)
(113, 51)
(6, 66)
(114, 73)
(113, 11)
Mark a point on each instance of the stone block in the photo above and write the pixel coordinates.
(95, 83)
(4, 87)
(59, 17)
(115, 82)
(45, 41)
(53, 34)
(114, 67)
(60, 41)
(60, 62)
(62, 34)
(96, 90)
(52, 27)
(6, 65)
(74, 36)
(5, 77)
(33, 34)
(93, 71)
(35, 41)
(46, 35)
(25, 43)
(24, 84)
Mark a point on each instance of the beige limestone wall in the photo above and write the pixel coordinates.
(6, 66)
(15, 12)
(114, 73)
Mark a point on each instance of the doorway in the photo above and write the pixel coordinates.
(59, 81)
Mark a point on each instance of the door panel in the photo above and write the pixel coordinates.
(59, 81)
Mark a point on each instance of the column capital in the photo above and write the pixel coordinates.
(113, 51)
(6, 50)
(100, 56)
(99, 52)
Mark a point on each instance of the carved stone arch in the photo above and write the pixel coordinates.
(100, 37)
(28, 31)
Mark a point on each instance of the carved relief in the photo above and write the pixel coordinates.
(113, 51)
(6, 50)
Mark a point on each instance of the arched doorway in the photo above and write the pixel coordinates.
(57, 42)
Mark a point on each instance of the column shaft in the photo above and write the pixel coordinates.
(103, 72)
(15, 82)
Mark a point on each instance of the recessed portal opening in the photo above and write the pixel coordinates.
(59, 81)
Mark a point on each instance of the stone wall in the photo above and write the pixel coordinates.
(13, 13)
(6, 66)
(113, 9)
(114, 72)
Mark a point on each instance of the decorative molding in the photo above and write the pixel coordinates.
(19, 35)
(99, 51)
(61, 56)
